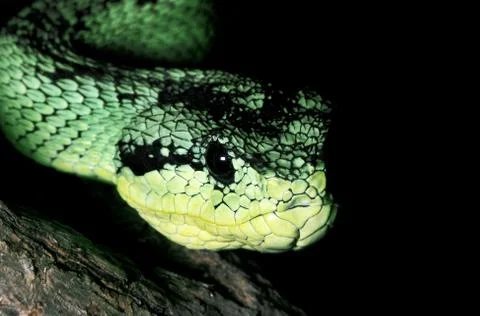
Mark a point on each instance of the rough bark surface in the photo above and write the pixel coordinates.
(47, 268)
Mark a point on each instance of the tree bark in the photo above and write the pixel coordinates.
(47, 268)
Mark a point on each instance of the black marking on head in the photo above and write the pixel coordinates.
(144, 158)
(220, 106)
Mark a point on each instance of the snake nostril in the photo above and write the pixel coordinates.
(299, 201)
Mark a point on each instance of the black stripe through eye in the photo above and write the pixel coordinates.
(144, 158)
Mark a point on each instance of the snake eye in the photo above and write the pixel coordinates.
(219, 163)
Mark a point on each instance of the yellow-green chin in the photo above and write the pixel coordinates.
(273, 216)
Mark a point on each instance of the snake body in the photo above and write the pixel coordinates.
(210, 159)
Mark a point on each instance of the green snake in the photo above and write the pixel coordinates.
(210, 159)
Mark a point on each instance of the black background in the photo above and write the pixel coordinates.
(344, 51)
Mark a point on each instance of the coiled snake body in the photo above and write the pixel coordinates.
(210, 159)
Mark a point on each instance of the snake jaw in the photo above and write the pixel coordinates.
(291, 215)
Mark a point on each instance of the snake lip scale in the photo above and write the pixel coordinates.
(210, 159)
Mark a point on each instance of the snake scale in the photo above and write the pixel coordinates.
(210, 159)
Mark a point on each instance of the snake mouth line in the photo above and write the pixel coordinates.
(294, 206)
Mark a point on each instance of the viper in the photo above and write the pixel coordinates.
(210, 159)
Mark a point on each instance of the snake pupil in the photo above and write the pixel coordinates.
(219, 163)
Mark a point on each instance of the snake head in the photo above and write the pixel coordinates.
(207, 182)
